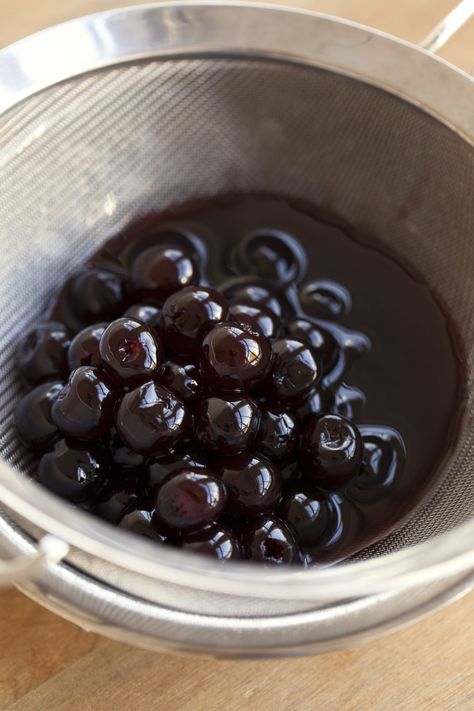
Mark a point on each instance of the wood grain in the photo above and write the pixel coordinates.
(35, 645)
(49, 664)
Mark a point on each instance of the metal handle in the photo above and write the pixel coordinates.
(438, 37)
(24, 567)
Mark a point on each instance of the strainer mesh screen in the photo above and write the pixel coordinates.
(79, 160)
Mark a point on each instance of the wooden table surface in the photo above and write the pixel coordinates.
(48, 664)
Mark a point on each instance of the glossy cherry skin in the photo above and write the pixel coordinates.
(96, 295)
(188, 314)
(214, 541)
(184, 380)
(274, 256)
(321, 342)
(140, 521)
(130, 352)
(269, 540)
(383, 464)
(161, 270)
(348, 401)
(226, 426)
(73, 471)
(310, 514)
(121, 456)
(84, 408)
(42, 355)
(254, 318)
(126, 487)
(234, 360)
(325, 299)
(316, 401)
(190, 500)
(279, 434)
(255, 294)
(114, 504)
(295, 370)
(160, 468)
(146, 313)
(290, 469)
(151, 419)
(33, 416)
(253, 483)
(332, 451)
(84, 348)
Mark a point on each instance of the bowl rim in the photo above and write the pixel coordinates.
(179, 29)
(220, 27)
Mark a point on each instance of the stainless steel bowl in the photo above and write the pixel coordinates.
(104, 116)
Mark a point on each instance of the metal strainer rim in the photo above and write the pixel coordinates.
(291, 37)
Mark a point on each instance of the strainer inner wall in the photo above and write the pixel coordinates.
(78, 161)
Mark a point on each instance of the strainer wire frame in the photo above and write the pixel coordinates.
(430, 83)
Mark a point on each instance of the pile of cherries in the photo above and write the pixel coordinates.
(207, 420)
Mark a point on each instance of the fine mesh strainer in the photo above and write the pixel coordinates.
(109, 116)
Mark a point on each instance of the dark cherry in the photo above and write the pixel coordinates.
(191, 499)
(84, 408)
(383, 461)
(226, 426)
(253, 483)
(150, 236)
(310, 514)
(234, 360)
(188, 314)
(353, 343)
(132, 479)
(160, 468)
(146, 313)
(214, 541)
(140, 521)
(377, 459)
(315, 402)
(96, 295)
(325, 299)
(43, 354)
(332, 451)
(126, 483)
(114, 504)
(33, 416)
(151, 419)
(321, 342)
(348, 401)
(184, 380)
(274, 256)
(254, 318)
(74, 471)
(84, 348)
(269, 540)
(121, 456)
(255, 294)
(295, 369)
(161, 270)
(290, 470)
(279, 434)
(130, 352)
(308, 560)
